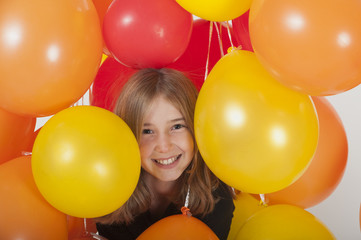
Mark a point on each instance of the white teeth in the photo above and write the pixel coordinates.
(167, 161)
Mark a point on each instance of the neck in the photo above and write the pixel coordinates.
(163, 193)
(158, 187)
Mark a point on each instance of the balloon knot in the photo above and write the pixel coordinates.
(186, 211)
(231, 49)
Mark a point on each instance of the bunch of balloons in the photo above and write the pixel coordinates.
(261, 122)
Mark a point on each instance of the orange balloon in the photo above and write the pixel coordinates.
(327, 167)
(311, 46)
(24, 212)
(78, 229)
(178, 227)
(29, 147)
(15, 134)
(50, 54)
(102, 6)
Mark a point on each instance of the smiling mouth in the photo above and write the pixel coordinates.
(168, 161)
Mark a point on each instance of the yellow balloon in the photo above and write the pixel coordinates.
(245, 207)
(255, 134)
(86, 161)
(284, 222)
(216, 10)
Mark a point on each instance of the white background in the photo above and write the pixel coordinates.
(340, 211)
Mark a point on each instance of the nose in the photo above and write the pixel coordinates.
(164, 143)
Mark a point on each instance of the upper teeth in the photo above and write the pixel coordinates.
(167, 161)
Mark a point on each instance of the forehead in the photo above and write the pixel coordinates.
(161, 110)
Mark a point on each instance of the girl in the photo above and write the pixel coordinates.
(158, 105)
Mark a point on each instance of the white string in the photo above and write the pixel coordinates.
(187, 198)
(209, 48)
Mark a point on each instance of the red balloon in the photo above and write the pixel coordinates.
(16, 134)
(327, 167)
(147, 33)
(178, 227)
(241, 31)
(25, 214)
(108, 83)
(193, 62)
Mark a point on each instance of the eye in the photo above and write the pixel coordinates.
(178, 126)
(147, 131)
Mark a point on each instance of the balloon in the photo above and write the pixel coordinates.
(255, 134)
(79, 228)
(108, 83)
(309, 46)
(241, 31)
(102, 6)
(15, 134)
(245, 207)
(145, 33)
(86, 161)
(50, 54)
(178, 227)
(193, 61)
(29, 146)
(215, 10)
(281, 222)
(24, 212)
(327, 167)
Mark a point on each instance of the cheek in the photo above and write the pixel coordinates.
(188, 144)
(145, 149)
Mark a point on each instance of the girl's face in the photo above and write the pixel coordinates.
(166, 145)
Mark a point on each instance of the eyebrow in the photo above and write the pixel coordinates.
(171, 121)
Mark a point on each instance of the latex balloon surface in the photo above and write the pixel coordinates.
(310, 46)
(178, 227)
(50, 53)
(146, 33)
(282, 222)
(86, 161)
(245, 207)
(215, 10)
(201, 47)
(15, 135)
(255, 134)
(241, 32)
(25, 214)
(108, 83)
(327, 167)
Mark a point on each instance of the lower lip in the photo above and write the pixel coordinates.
(169, 165)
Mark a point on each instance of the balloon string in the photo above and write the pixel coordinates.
(229, 34)
(209, 49)
(85, 226)
(219, 39)
(187, 198)
(263, 200)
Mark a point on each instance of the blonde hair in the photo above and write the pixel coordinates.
(134, 100)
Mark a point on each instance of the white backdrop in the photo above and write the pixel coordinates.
(340, 211)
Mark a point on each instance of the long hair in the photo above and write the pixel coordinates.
(134, 100)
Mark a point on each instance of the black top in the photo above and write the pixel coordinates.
(219, 220)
